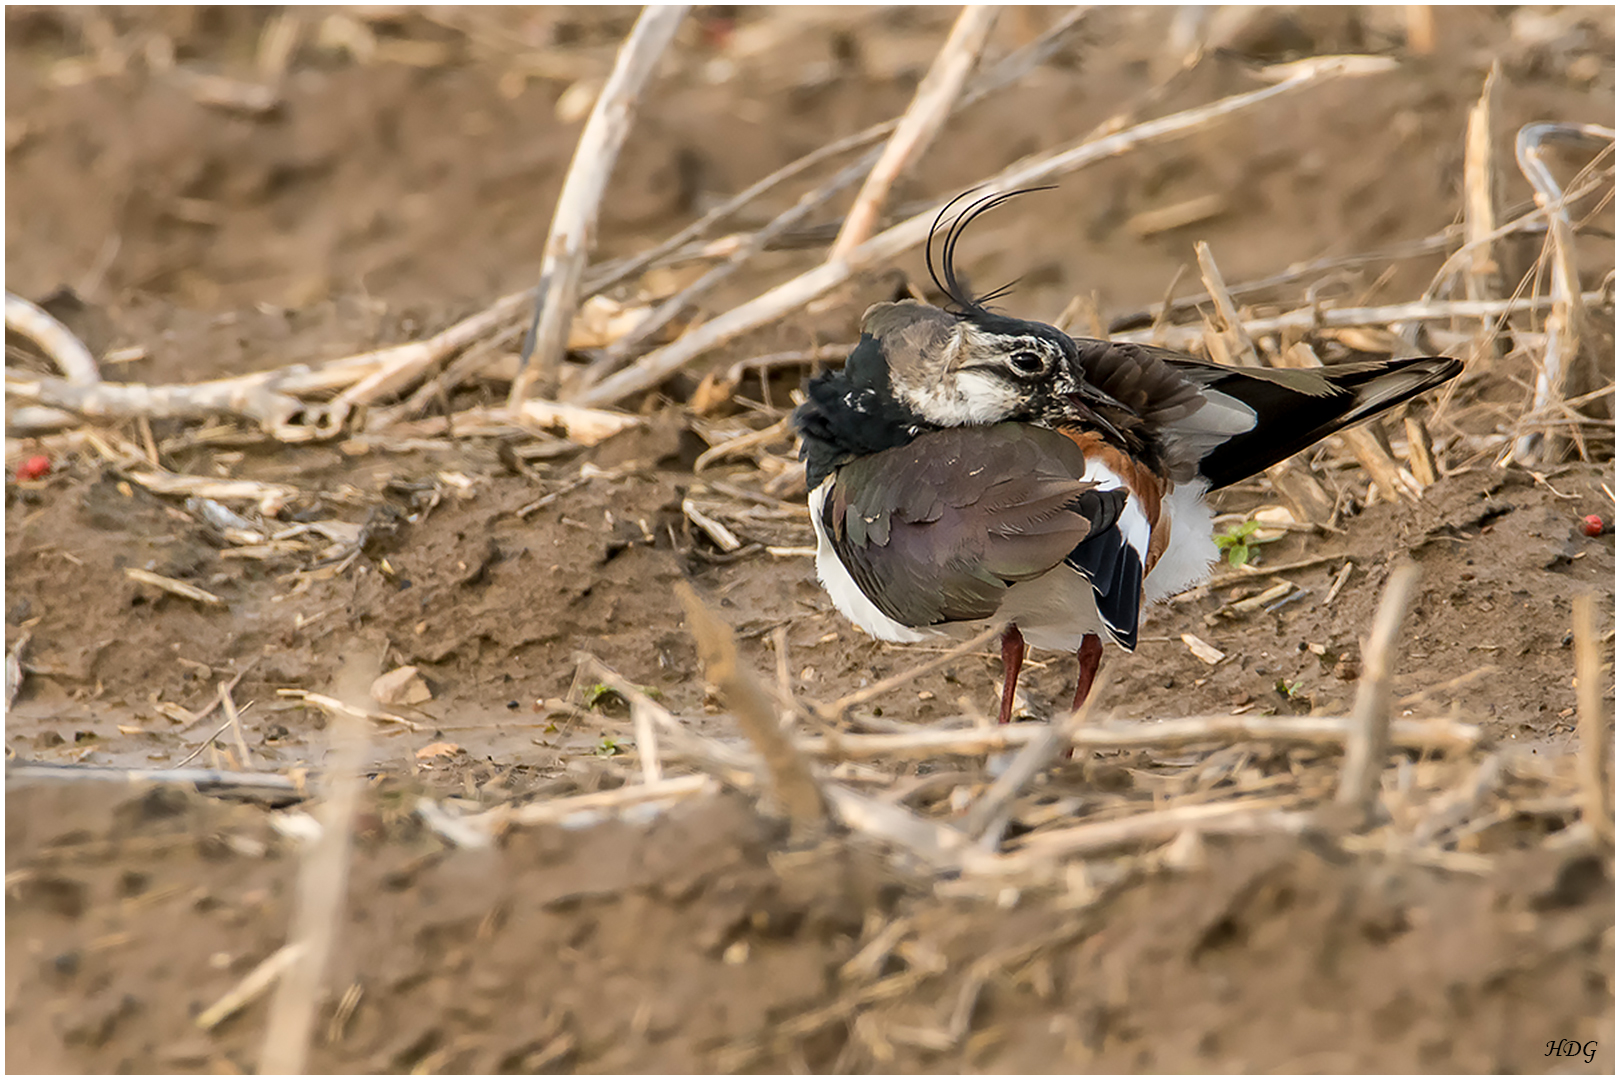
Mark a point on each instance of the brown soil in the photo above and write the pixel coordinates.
(383, 201)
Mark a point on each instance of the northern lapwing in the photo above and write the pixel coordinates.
(966, 467)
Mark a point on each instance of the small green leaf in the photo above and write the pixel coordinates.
(1238, 554)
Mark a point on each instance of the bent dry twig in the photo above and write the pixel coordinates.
(1563, 330)
(56, 341)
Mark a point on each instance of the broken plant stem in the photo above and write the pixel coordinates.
(792, 782)
(1597, 797)
(1036, 755)
(1368, 746)
(574, 220)
(322, 886)
(920, 124)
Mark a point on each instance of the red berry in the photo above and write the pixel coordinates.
(34, 468)
(1592, 525)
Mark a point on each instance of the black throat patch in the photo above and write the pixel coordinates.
(852, 413)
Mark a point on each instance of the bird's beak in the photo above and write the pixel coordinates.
(1085, 400)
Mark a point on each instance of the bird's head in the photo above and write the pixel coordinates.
(970, 365)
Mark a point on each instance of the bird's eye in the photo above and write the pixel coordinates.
(1027, 362)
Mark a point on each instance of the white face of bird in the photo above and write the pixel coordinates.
(953, 373)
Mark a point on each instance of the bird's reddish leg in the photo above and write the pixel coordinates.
(1012, 661)
(1090, 656)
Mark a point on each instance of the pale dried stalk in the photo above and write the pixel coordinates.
(1420, 451)
(792, 782)
(554, 811)
(452, 827)
(1460, 805)
(270, 497)
(1394, 482)
(1158, 826)
(1036, 755)
(1563, 327)
(723, 538)
(1251, 572)
(1432, 244)
(1479, 187)
(1597, 798)
(652, 769)
(1420, 29)
(939, 846)
(234, 719)
(390, 369)
(1439, 734)
(920, 124)
(251, 988)
(14, 667)
(657, 366)
(574, 220)
(481, 359)
(782, 429)
(1367, 749)
(204, 745)
(1315, 318)
(335, 708)
(322, 885)
(1239, 345)
(207, 781)
(1338, 585)
(273, 412)
(579, 425)
(558, 810)
(170, 585)
(727, 763)
(56, 341)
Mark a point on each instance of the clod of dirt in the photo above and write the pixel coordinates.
(402, 686)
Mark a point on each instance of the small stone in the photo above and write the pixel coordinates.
(402, 686)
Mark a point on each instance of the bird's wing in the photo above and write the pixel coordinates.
(937, 530)
(1228, 423)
